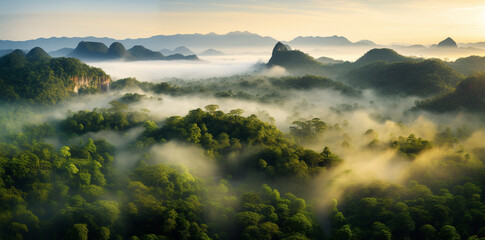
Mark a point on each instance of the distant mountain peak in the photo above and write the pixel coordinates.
(181, 47)
(366, 42)
(280, 47)
(340, 37)
(16, 58)
(141, 52)
(116, 50)
(240, 33)
(197, 41)
(211, 52)
(37, 54)
(17, 52)
(183, 51)
(292, 60)
(100, 52)
(381, 54)
(448, 42)
(321, 41)
(89, 50)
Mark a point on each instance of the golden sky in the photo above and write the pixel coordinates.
(382, 21)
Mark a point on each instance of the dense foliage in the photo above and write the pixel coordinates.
(247, 87)
(224, 134)
(411, 146)
(432, 206)
(426, 78)
(385, 55)
(114, 118)
(77, 192)
(469, 96)
(468, 65)
(294, 60)
(41, 79)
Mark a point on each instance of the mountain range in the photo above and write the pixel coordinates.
(98, 51)
(328, 41)
(230, 42)
(196, 41)
(383, 70)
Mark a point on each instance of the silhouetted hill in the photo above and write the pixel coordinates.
(90, 51)
(425, 78)
(211, 40)
(415, 46)
(99, 52)
(448, 43)
(327, 60)
(292, 60)
(308, 82)
(326, 41)
(14, 59)
(116, 50)
(365, 43)
(211, 52)
(181, 57)
(469, 95)
(473, 86)
(37, 54)
(381, 54)
(335, 41)
(61, 52)
(141, 53)
(182, 50)
(469, 65)
(166, 52)
(37, 77)
(53, 43)
(280, 47)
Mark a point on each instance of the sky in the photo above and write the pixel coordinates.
(382, 21)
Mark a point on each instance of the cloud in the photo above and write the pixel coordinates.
(186, 156)
(156, 71)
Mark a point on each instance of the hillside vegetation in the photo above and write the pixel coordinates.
(37, 77)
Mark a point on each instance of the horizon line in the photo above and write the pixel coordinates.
(222, 34)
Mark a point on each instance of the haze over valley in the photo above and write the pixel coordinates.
(286, 134)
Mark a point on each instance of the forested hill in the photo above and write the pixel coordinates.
(292, 60)
(36, 77)
(98, 51)
(423, 78)
(469, 96)
(381, 55)
(382, 70)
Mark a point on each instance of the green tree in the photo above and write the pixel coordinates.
(79, 231)
(448, 232)
(212, 108)
(428, 231)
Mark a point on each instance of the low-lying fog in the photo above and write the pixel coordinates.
(209, 66)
